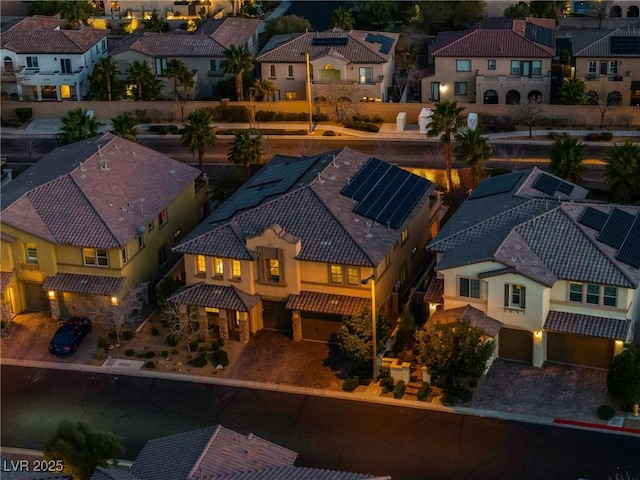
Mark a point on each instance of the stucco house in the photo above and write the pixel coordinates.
(81, 230)
(553, 276)
(201, 51)
(355, 65)
(498, 62)
(43, 61)
(308, 240)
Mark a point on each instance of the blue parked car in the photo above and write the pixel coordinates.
(69, 335)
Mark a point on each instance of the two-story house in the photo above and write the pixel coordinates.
(43, 61)
(308, 240)
(90, 222)
(355, 65)
(555, 276)
(202, 51)
(498, 62)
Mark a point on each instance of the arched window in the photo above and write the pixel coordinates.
(615, 11)
(491, 97)
(513, 97)
(633, 11)
(535, 96)
(8, 64)
(614, 99)
(592, 97)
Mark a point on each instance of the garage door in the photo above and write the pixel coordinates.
(579, 350)
(276, 316)
(323, 328)
(514, 344)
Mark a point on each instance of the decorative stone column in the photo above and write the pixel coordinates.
(5, 313)
(224, 325)
(245, 331)
(55, 307)
(203, 322)
(296, 321)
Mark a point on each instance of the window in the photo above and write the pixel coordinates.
(103, 44)
(463, 65)
(330, 73)
(353, 276)
(272, 71)
(536, 67)
(213, 65)
(201, 265)
(575, 292)
(514, 296)
(162, 255)
(96, 256)
(516, 68)
(460, 88)
(140, 241)
(161, 66)
(236, 269)
(274, 269)
(387, 259)
(291, 95)
(290, 71)
(613, 67)
(32, 253)
(402, 273)
(491, 64)
(32, 62)
(592, 69)
(593, 294)
(218, 267)
(609, 296)
(152, 224)
(470, 287)
(366, 76)
(435, 91)
(163, 216)
(125, 257)
(65, 65)
(404, 236)
(336, 273)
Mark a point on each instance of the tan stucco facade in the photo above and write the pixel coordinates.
(610, 77)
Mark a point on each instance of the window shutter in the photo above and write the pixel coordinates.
(524, 296)
(506, 295)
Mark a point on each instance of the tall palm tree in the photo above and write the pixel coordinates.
(78, 125)
(148, 86)
(447, 119)
(124, 125)
(176, 69)
(264, 89)
(105, 72)
(342, 19)
(198, 134)
(567, 154)
(246, 148)
(474, 149)
(237, 61)
(155, 23)
(76, 12)
(622, 172)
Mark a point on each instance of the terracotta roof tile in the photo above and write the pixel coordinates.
(299, 473)
(216, 296)
(90, 284)
(492, 43)
(5, 279)
(327, 303)
(592, 326)
(489, 325)
(170, 45)
(235, 31)
(435, 291)
(601, 47)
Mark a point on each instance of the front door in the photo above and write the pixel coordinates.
(35, 298)
(234, 326)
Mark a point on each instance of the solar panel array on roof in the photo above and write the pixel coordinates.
(546, 183)
(496, 185)
(593, 218)
(385, 42)
(616, 228)
(329, 41)
(387, 194)
(565, 188)
(625, 45)
(630, 251)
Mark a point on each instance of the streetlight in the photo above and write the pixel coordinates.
(374, 341)
(306, 55)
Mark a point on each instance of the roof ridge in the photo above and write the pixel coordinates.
(598, 40)
(204, 451)
(278, 46)
(455, 41)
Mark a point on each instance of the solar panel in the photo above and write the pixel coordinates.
(385, 42)
(386, 192)
(546, 184)
(565, 188)
(625, 45)
(630, 251)
(329, 41)
(593, 218)
(407, 189)
(616, 228)
(364, 181)
(496, 185)
(408, 202)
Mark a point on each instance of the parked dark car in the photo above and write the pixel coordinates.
(69, 335)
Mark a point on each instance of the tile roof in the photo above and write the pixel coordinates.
(169, 45)
(216, 296)
(489, 326)
(327, 303)
(298, 473)
(5, 279)
(112, 474)
(601, 47)
(491, 43)
(90, 284)
(299, 189)
(292, 47)
(231, 30)
(43, 35)
(578, 324)
(435, 291)
(208, 452)
(97, 179)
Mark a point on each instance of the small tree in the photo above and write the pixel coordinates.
(286, 24)
(198, 134)
(567, 154)
(245, 149)
(446, 120)
(623, 378)
(183, 321)
(124, 125)
(81, 448)
(572, 92)
(406, 331)
(527, 113)
(622, 172)
(78, 125)
(155, 23)
(474, 149)
(356, 339)
(342, 19)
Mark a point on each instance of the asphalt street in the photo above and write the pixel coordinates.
(328, 433)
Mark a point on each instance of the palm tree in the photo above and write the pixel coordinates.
(76, 12)
(176, 69)
(124, 125)
(105, 73)
(342, 19)
(572, 92)
(622, 172)
(246, 148)
(446, 119)
(148, 86)
(237, 60)
(566, 156)
(77, 125)
(264, 89)
(155, 23)
(198, 134)
(474, 149)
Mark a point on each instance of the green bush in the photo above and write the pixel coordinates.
(198, 362)
(328, 133)
(173, 339)
(350, 384)
(424, 392)
(154, 331)
(399, 389)
(24, 114)
(193, 346)
(605, 136)
(363, 126)
(103, 343)
(221, 342)
(606, 412)
(229, 113)
(150, 354)
(387, 384)
(220, 357)
(384, 372)
(127, 335)
(141, 115)
(130, 353)
(454, 395)
(165, 353)
(216, 345)
(367, 119)
(113, 334)
(150, 364)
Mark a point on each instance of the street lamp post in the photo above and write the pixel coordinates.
(374, 322)
(306, 55)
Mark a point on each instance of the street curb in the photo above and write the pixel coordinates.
(362, 396)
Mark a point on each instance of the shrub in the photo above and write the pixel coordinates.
(387, 384)
(424, 391)
(172, 339)
(150, 364)
(367, 119)
(127, 335)
(220, 357)
(229, 113)
(216, 345)
(193, 346)
(154, 331)
(103, 343)
(24, 114)
(150, 354)
(592, 137)
(113, 334)
(363, 126)
(606, 412)
(384, 372)
(141, 115)
(130, 353)
(606, 136)
(198, 362)
(328, 133)
(175, 351)
(221, 342)
(165, 353)
(399, 389)
(454, 395)
(350, 384)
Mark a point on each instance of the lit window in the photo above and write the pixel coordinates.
(463, 65)
(236, 269)
(353, 275)
(290, 71)
(491, 64)
(336, 274)
(514, 296)
(274, 269)
(96, 257)
(460, 88)
(163, 216)
(125, 257)
(291, 95)
(405, 235)
(32, 253)
(201, 265)
(89, 255)
(218, 267)
(366, 76)
(470, 287)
